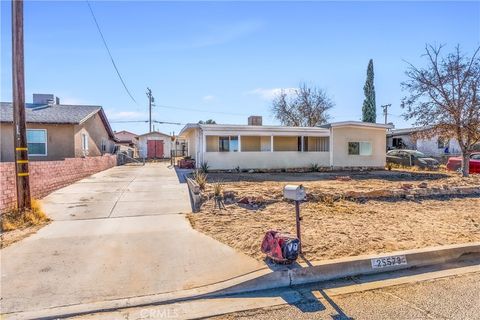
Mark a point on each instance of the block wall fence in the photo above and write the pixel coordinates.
(48, 176)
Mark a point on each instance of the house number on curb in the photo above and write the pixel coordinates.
(388, 261)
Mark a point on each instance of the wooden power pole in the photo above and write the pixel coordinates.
(19, 123)
(151, 99)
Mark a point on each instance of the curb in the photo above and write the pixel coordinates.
(265, 279)
(195, 196)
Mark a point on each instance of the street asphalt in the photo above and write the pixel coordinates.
(456, 297)
(116, 234)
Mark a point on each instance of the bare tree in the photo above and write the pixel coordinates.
(305, 107)
(445, 98)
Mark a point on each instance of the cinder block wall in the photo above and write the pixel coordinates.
(48, 176)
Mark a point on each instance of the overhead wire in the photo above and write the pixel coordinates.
(200, 110)
(109, 53)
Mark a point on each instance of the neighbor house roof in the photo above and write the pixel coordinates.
(56, 114)
(125, 136)
(357, 124)
(406, 131)
(153, 133)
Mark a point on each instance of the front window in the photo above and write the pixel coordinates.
(37, 142)
(228, 143)
(360, 148)
(222, 143)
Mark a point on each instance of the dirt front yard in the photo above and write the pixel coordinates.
(335, 227)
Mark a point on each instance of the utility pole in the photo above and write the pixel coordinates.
(385, 111)
(18, 101)
(151, 100)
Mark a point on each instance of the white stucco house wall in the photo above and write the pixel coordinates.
(435, 146)
(336, 145)
(160, 145)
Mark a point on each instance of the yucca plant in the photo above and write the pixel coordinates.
(217, 189)
(204, 167)
(200, 178)
(314, 167)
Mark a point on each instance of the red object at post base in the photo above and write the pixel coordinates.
(280, 247)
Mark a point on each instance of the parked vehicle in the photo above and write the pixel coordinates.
(455, 163)
(410, 158)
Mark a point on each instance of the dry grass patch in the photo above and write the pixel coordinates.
(347, 228)
(17, 225)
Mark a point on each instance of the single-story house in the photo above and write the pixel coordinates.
(56, 131)
(410, 138)
(154, 145)
(336, 145)
(127, 142)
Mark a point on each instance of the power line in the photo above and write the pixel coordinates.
(206, 111)
(146, 121)
(109, 53)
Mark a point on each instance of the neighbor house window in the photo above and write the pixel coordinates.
(222, 143)
(397, 143)
(442, 143)
(104, 145)
(37, 142)
(85, 143)
(360, 148)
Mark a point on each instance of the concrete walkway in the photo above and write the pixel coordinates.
(119, 233)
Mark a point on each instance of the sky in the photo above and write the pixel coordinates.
(226, 60)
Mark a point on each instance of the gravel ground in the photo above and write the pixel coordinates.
(333, 229)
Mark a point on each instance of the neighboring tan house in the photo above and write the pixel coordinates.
(411, 139)
(56, 132)
(127, 142)
(154, 145)
(337, 145)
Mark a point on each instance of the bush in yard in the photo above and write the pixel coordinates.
(200, 178)
(204, 167)
(314, 167)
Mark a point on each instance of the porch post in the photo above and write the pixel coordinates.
(271, 143)
(239, 143)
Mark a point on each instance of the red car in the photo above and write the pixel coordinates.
(455, 163)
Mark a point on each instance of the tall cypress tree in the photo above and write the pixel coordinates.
(369, 109)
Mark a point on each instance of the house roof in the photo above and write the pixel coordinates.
(56, 114)
(236, 127)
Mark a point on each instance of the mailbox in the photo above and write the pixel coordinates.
(294, 192)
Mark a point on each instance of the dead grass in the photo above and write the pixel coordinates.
(17, 225)
(333, 227)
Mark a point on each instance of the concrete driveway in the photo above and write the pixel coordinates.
(119, 233)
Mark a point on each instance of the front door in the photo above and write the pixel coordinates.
(154, 149)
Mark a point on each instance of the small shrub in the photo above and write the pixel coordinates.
(237, 169)
(200, 178)
(314, 167)
(217, 189)
(16, 220)
(204, 167)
